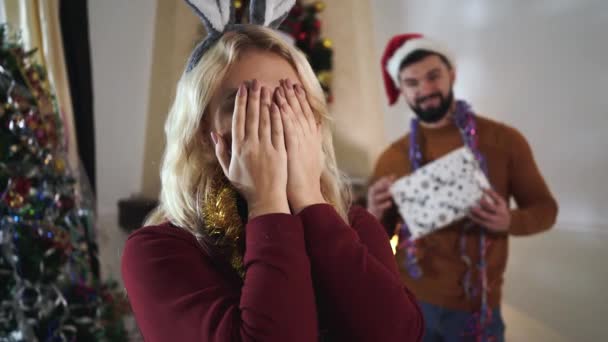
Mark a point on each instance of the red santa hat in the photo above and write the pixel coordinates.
(399, 48)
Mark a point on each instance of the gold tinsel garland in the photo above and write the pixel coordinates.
(222, 222)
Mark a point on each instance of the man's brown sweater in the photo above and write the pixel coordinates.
(513, 174)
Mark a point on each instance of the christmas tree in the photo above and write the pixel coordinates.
(303, 26)
(50, 287)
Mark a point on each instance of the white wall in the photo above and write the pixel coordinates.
(538, 65)
(121, 34)
(541, 66)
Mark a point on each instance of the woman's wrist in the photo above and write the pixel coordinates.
(303, 201)
(270, 204)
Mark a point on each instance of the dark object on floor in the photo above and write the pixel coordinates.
(133, 211)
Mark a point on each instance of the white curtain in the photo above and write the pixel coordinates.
(38, 22)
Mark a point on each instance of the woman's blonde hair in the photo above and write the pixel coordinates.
(189, 164)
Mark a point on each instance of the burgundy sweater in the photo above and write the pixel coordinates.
(178, 294)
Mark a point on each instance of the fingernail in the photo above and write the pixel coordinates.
(214, 138)
(298, 88)
(289, 84)
(256, 85)
(242, 90)
(263, 92)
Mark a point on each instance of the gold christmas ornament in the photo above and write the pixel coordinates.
(319, 6)
(324, 78)
(16, 201)
(327, 43)
(59, 165)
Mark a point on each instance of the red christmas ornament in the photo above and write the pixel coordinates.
(317, 24)
(64, 203)
(302, 36)
(41, 136)
(84, 291)
(107, 297)
(296, 10)
(22, 186)
(293, 28)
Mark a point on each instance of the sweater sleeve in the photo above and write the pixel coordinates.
(357, 275)
(536, 208)
(178, 295)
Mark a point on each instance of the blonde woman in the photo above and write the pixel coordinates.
(254, 238)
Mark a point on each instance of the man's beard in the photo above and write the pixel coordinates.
(433, 114)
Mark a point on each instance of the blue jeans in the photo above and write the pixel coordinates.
(444, 325)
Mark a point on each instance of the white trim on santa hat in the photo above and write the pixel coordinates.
(393, 64)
